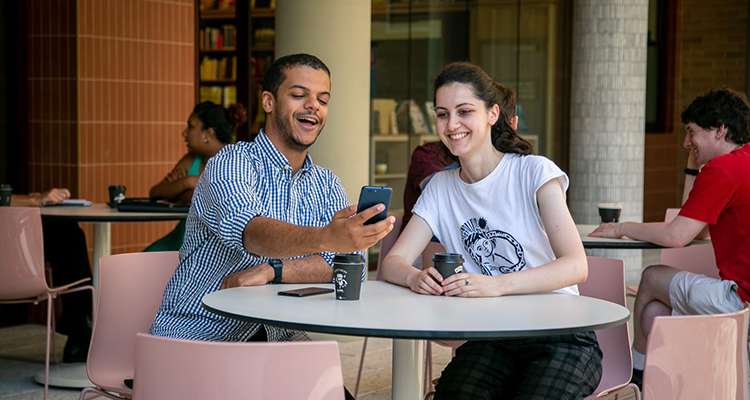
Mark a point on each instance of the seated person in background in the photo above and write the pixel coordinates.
(210, 127)
(430, 158)
(66, 253)
(504, 211)
(716, 201)
(264, 213)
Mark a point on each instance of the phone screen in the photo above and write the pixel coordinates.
(304, 292)
(372, 195)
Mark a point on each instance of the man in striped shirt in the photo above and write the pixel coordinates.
(263, 212)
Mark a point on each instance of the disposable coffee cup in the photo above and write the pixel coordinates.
(609, 212)
(347, 272)
(116, 195)
(448, 264)
(5, 194)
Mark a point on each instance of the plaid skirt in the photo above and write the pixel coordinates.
(552, 367)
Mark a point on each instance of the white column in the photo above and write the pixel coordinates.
(608, 105)
(337, 32)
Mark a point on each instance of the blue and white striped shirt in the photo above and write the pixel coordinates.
(240, 182)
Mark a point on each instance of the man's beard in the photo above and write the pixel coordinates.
(285, 128)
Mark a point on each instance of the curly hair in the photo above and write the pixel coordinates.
(504, 137)
(721, 106)
(223, 121)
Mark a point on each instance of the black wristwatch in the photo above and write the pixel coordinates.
(277, 266)
(691, 171)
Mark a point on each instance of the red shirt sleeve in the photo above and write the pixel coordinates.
(711, 193)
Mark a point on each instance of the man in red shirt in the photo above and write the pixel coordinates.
(716, 201)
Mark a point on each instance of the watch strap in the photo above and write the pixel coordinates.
(277, 269)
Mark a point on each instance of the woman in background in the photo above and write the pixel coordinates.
(210, 127)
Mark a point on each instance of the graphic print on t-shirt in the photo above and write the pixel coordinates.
(494, 251)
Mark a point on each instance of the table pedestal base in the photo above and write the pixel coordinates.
(408, 369)
(66, 375)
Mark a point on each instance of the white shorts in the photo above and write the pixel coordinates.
(695, 294)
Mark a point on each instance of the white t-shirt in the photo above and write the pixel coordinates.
(494, 223)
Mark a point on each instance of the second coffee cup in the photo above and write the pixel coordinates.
(116, 195)
(609, 212)
(448, 263)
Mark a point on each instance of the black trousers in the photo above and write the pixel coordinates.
(564, 367)
(65, 250)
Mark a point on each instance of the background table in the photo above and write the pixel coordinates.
(590, 242)
(74, 375)
(102, 216)
(390, 311)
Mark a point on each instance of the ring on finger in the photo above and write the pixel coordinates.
(466, 282)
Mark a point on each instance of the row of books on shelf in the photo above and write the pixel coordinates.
(218, 69)
(391, 117)
(208, 5)
(224, 95)
(259, 65)
(224, 38)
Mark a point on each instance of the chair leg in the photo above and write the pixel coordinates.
(54, 329)
(47, 348)
(361, 365)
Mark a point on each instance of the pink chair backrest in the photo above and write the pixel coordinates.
(697, 357)
(131, 287)
(699, 259)
(429, 252)
(390, 239)
(22, 250)
(184, 369)
(606, 281)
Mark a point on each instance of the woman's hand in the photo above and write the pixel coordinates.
(53, 196)
(175, 175)
(426, 282)
(472, 285)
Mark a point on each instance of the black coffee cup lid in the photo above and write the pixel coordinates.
(447, 257)
(348, 258)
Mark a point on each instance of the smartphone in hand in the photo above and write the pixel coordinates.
(372, 195)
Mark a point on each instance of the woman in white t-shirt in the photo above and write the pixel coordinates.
(504, 211)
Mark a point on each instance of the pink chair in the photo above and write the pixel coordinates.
(385, 246)
(22, 276)
(606, 281)
(699, 259)
(184, 369)
(131, 288)
(697, 357)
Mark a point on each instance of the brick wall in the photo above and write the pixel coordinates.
(136, 81)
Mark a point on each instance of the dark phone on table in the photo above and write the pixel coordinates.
(372, 195)
(304, 292)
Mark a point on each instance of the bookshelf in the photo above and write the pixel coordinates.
(235, 44)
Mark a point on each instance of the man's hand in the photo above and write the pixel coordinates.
(608, 230)
(258, 275)
(53, 196)
(347, 233)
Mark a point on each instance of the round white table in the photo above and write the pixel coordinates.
(390, 311)
(74, 375)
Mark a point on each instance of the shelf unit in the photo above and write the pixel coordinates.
(234, 47)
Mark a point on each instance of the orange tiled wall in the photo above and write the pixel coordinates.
(52, 94)
(136, 74)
